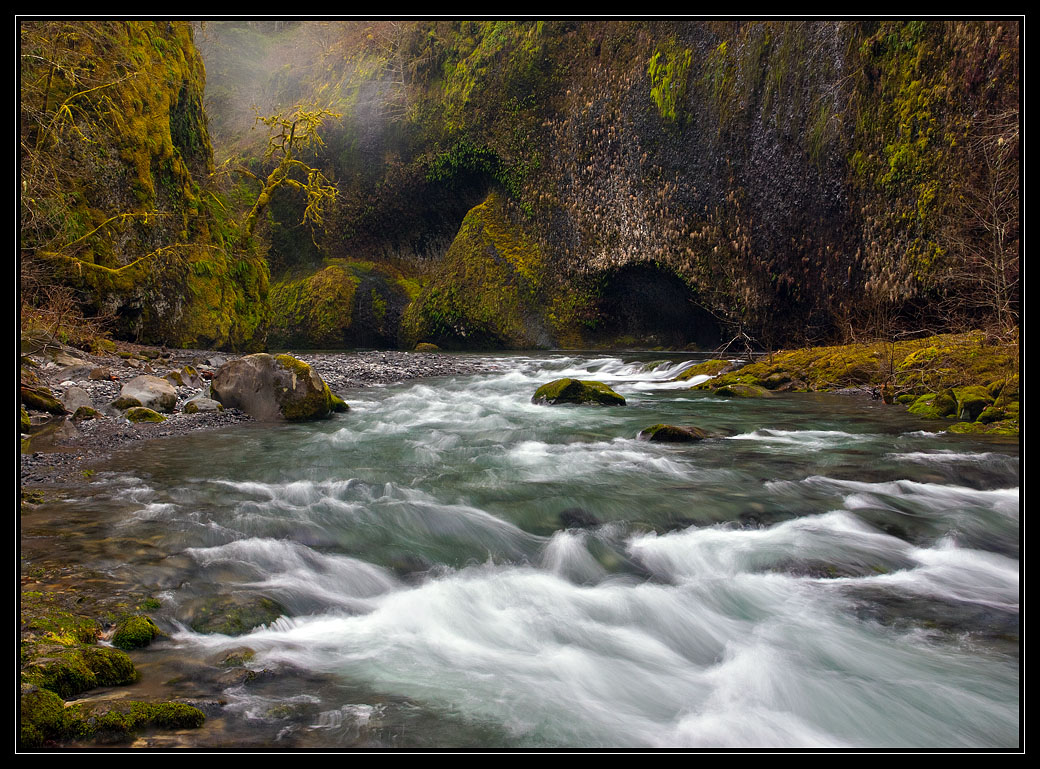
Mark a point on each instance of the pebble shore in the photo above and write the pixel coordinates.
(61, 449)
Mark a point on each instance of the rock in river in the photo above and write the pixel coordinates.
(273, 388)
(577, 391)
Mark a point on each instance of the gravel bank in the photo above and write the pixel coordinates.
(60, 449)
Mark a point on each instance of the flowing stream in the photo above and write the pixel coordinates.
(461, 568)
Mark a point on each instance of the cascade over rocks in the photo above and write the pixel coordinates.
(273, 388)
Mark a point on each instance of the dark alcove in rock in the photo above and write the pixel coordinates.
(644, 305)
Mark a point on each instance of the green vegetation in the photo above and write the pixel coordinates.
(134, 631)
(668, 72)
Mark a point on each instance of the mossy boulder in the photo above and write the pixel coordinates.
(273, 388)
(68, 670)
(427, 347)
(151, 392)
(233, 614)
(935, 405)
(740, 390)
(41, 399)
(23, 420)
(141, 414)
(708, 367)
(134, 631)
(971, 401)
(339, 405)
(577, 391)
(45, 718)
(662, 433)
(85, 413)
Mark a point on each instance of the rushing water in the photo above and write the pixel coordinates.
(460, 567)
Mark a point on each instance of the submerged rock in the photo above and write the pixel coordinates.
(673, 434)
(234, 614)
(577, 391)
(273, 388)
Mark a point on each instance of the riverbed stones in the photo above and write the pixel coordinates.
(584, 392)
(273, 388)
(151, 392)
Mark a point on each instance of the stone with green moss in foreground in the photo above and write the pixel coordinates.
(577, 391)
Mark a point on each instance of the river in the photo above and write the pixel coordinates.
(458, 567)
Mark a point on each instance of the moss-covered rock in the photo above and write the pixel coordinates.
(577, 391)
(493, 290)
(70, 669)
(41, 399)
(43, 717)
(134, 631)
(141, 414)
(673, 434)
(427, 347)
(708, 367)
(23, 420)
(233, 614)
(971, 402)
(273, 388)
(86, 413)
(46, 719)
(739, 390)
(935, 405)
(338, 404)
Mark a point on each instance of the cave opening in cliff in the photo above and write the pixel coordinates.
(646, 305)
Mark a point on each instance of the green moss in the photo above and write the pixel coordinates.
(708, 367)
(338, 404)
(577, 391)
(84, 413)
(491, 290)
(133, 632)
(23, 420)
(738, 390)
(125, 402)
(41, 399)
(69, 670)
(43, 718)
(971, 402)
(668, 72)
(142, 414)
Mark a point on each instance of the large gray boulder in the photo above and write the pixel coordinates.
(273, 388)
(149, 391)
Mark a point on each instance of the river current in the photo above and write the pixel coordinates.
(458, 567)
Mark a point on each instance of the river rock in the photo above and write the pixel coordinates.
(739, 390)
(76, 397)
(672, 434)
(151, 392)
(201, 403)
(273, 388)
(577, 391)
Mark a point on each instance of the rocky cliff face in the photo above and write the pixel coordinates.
(567, 183)
(118, 201)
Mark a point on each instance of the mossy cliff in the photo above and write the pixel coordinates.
(667, 182)
(117, 199)
(689, 179)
